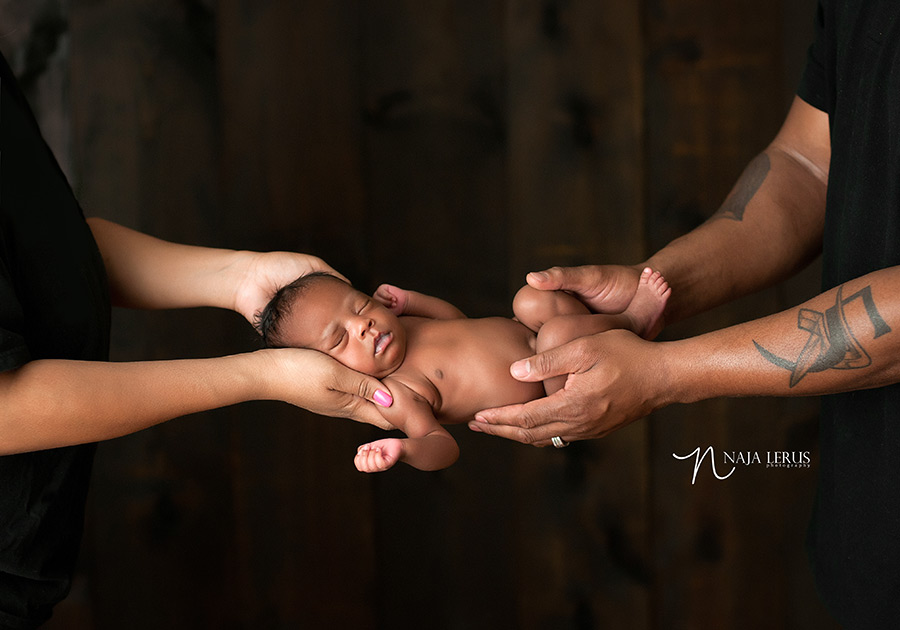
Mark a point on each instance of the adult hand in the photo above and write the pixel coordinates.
(315, 381)
(602, 288)
(614, 378)
(263, 273)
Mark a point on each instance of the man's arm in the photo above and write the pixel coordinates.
(769, 227)
(52, 403)
(842, 340)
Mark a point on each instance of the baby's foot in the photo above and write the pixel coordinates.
(649, 302)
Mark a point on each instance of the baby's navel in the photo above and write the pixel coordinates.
(439, 374)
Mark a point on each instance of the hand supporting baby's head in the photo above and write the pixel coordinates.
(322, 312)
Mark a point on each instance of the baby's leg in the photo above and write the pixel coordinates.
(643, 317)
(534, 307)
(565, 328)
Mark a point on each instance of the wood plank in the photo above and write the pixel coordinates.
(576, 167)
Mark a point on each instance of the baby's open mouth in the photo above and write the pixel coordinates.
(382, 341)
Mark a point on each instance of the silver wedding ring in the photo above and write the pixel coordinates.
(558, 442)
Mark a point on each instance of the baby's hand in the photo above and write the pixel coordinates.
(394, 298)
(378, 455)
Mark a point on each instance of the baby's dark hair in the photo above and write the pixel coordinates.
(268, 321)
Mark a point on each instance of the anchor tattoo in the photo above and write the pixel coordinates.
(831, 343)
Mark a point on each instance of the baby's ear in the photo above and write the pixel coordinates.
(257, 323)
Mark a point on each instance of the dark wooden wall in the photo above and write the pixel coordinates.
(448, 146)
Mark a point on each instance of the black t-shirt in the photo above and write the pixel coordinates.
(54, 304)
(853, 74)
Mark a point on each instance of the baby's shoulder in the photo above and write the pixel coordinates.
(413, 385)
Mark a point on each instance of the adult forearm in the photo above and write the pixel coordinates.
(842, 340)
(146, 272)
(769, 227)
(53, 403)
(747, 246)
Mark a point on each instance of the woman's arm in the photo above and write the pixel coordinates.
(146, 272)
(52, 403)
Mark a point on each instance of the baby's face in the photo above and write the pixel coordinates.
(334, 318)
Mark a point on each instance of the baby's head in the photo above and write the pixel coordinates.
(322, 312)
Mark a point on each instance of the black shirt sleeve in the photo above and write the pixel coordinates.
(13, 349)
(813, 87)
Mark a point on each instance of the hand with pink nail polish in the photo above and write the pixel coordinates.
(318, 383)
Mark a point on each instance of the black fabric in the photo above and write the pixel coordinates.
(54, 304)
(853, 74)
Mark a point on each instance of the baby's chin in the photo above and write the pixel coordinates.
(378, 371)
(381, 372)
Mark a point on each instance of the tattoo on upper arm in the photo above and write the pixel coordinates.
(747, 185)
(831, 343)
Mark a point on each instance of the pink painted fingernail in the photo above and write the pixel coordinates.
(383, 398)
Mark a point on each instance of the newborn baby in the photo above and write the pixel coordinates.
(439, 366)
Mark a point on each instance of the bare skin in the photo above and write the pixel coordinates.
(52, 403)
(440, 367)
(558, 317)
(769, 227)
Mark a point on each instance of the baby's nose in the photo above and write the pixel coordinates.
(365, 326)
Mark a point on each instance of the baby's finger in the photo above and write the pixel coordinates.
(372, 460)
(383, 294)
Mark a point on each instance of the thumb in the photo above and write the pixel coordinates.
(357, 384)
(366, 387)
(361, 410)
(363, 393)
(579, 280)
(554, 362)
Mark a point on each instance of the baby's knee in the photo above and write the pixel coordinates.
(532, 307)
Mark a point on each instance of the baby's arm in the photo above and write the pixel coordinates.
(403, 302)
(428, 446)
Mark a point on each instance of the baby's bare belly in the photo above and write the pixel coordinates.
(468, 361)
